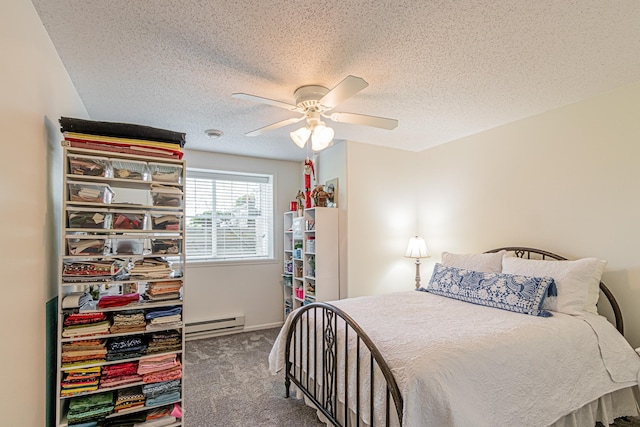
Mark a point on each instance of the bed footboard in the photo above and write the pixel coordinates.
(334, 363)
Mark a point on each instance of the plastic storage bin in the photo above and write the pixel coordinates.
(88, 218)
(89, 192)
(311, 245)
(166, 221)
(166, 246)
(165, 172)
(166, 196)
(128, 220)
(128, 245)
(130, 169)
(89, 165)
(86, 245)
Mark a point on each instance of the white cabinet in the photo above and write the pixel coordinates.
(311, 258)
(121, 286)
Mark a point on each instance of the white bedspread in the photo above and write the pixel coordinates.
(459, 364)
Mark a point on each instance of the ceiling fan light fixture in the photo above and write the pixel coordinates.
(300, 136)
(321, 137)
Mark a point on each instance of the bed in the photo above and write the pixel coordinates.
(421, 359)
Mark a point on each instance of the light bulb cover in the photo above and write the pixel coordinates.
(300, 136)
(321, 137)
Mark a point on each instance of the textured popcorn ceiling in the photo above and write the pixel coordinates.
(444, 69)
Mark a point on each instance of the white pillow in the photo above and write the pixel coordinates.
(578, 282)
(593, 294)
(486, 263)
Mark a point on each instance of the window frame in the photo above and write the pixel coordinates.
(271, 258)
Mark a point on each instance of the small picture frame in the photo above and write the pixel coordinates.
(331, 187)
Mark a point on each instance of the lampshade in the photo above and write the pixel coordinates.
(300, 136)
(417, 248)
(321, 137)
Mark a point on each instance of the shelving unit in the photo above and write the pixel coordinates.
(121, 211)
(311, 259)
(287, 274)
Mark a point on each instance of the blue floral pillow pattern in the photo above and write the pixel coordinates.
(522, 294)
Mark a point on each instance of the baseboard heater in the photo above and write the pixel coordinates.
(214, 327)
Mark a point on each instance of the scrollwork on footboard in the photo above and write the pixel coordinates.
(320, 342)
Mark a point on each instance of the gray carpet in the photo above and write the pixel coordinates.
(227, 383)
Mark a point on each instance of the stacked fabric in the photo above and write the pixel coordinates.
(88, 247)
(128, 221)
(87, 424)
(158, 422)
(164, 195)
(127, 347)
(128, 321)
(122, 138)
(76, 299)
(162, 416)
(119, 374)
(160, 412)
(80, 380)
(168, 221)
(154, 390)
(83, 352)
(162, 392)
(164, 318)
(129, 398)
(92, 271)
(108, 301)
(151, 268)
(163, 291)
(127, 420)
(86, 220)
(85, 324)
(163, 398)
(164, 342)
(90, 408)
(161, 368)
(165, 246)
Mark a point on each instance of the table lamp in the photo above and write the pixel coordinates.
(417, 249)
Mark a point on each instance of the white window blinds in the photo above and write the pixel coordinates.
(229, 216)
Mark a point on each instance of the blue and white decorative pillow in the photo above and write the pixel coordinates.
(521, 294)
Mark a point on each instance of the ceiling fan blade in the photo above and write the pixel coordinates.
(273, 126)
(348, 87)
(361, 119)
(262, 100)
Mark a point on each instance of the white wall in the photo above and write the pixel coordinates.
(216, 290)
(35, 91)
(332, 163)
(566, 181)
(382, 217)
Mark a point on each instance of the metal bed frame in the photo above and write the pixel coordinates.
(319, 380)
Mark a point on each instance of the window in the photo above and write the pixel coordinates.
(229, 216)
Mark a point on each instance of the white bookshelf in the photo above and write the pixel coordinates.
(311, 258)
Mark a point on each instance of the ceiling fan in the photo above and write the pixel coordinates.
(314, 103)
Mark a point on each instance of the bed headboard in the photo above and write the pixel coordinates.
(531, 253)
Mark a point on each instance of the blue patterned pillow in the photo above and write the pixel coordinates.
(522, 294)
